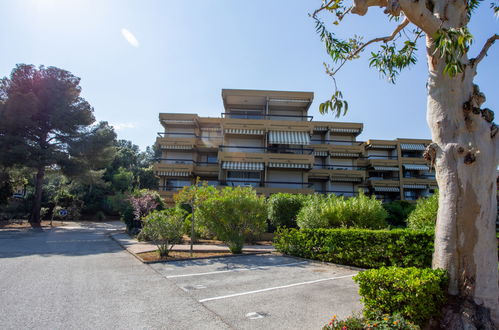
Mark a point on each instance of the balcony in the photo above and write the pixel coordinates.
(173, 167)
(266, 154)
(206, 168)
(183, 140)
(350, 149)
(261, 116)
(342, 173)
(271, 187)
(267, 123)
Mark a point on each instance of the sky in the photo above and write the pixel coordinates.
(137, 58)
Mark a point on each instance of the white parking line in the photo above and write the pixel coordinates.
(275, 288)
(237, 270)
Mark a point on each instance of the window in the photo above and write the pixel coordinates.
(243, 176)
(410, 195)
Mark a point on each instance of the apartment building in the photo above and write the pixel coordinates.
(267, 140)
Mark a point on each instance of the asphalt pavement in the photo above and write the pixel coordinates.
(77, 277)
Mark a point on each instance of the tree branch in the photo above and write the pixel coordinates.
(421, 16)
(485, 48)
(399, 28)
(360, 6)
(415, 11)
(322, 8)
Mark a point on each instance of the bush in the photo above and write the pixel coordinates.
(232, 214)
(283, 209)
(164, 228)
(416, 294)
(398, 211)
(359, 247)
(384, 322)
(424, 215)
(337, 211)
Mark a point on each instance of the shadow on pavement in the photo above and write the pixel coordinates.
(74, 239)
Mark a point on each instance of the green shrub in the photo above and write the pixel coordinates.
(381, 321)
(337, 211)
(424, 215)
(398, 211)
(416, 294)
(283, 209)
(164, 228)
(232, 214)
(359, 247)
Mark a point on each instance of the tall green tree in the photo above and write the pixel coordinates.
(44, 122)
(465, 152)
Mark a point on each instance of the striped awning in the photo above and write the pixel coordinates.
(321, 128)
(243, 131)
(416, 146)
(242, 166)
(344, 130)
(345, 179)
(173, 173)
(344, 155)
(387, 189)
(385, 168)
(289, 165)
(381, 146)
(320, 153)
(177, 147)
(414, 186)
(416, 167)
(288, 137)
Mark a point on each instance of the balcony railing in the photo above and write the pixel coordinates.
(378, 178)
(266, 184)
(336, 142)
(170, 188)
(264, 116)
(187, 135)
(380, 157)
(278, 150)
(419, 176)
(183, 161)
(338, 167)
(338, 193)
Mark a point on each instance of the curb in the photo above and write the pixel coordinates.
(321, 262)
(136, 255)
(200, 258)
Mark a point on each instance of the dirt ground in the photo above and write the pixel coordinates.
(17, 224)
(179, 255)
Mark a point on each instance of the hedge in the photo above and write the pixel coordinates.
(359, 247)
(416, 294)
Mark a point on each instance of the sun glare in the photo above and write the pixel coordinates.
(129, 37)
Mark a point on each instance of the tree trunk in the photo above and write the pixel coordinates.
(465, 161)
(37, 202)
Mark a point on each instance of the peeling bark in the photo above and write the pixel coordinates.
(465, 166)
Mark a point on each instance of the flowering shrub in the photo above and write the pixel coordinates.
(164, 228)
(383, 322)
(143, 204)
(233, 214)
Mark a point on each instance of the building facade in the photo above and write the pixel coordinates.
(267, 140)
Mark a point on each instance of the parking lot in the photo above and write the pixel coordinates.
(267, 291)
